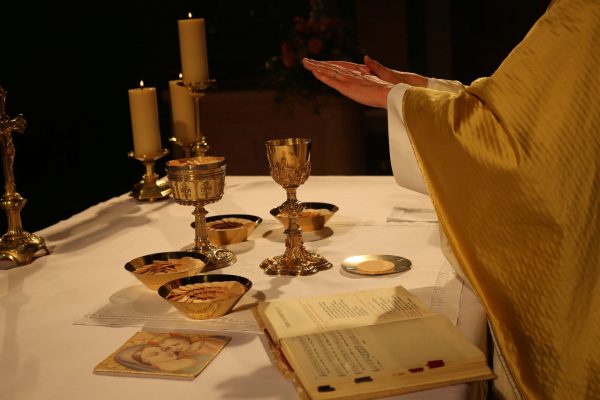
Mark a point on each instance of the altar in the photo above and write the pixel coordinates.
(65, 312)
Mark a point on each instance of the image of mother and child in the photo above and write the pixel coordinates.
(171, 352)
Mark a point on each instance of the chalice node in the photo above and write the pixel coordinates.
(197, 181)
(289, 163)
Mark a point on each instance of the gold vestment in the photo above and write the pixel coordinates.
(512, 165)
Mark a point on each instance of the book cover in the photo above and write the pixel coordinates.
(166, 355)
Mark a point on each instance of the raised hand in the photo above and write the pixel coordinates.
(392, 76)
(351, 80)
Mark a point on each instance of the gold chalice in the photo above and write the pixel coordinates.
(289, 162)
(197, 181)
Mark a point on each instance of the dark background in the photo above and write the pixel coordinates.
(67, 69)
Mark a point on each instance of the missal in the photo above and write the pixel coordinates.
(163, 355)
(367, 344)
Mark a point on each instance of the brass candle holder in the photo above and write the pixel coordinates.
(289, 162)
(199, 147)
(150, 188)
(198, 181)
(16, 244)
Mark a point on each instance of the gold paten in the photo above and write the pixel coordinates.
(289, 162)
(198, 181)
(376, 264)
(199, 147)
(16, 244)
(150, 188)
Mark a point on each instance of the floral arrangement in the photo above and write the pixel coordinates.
(318, 37)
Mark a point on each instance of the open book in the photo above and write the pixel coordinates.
(368, 344)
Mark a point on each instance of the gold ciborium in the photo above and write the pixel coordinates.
(197, 181)
(289, 162)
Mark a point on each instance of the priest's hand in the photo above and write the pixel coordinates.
(393, 76)
(367, 83)
(351, 80)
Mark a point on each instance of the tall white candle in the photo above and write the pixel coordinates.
(143, 108)
(192, 49)
(182, 112)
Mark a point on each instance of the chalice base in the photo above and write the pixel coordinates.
(301, 262)
(158, 191)
(22, 249)
(217, 257)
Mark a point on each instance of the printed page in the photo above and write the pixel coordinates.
(285, 318)
(402, 355)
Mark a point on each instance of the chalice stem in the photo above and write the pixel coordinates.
(289, 162)
(201, 240)
(292, 207)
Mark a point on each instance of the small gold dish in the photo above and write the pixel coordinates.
(230, 228)
(313, 218)
(205, 296)
(376, 264)
(154, 270)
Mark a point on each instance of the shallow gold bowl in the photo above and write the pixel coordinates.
(222, 235)
(311, 222)
(154, 281)
(210, 308)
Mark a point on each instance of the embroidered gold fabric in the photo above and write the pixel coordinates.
(512, 164)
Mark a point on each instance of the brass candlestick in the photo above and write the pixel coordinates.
(187, 148)
(198, 181)
(289, 162)
(150, 188)
(19, 246)
(199, 147)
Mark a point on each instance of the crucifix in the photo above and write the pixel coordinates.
(16, 244)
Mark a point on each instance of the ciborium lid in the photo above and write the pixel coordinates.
(200, 162)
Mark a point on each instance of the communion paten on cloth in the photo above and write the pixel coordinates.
(512, 166)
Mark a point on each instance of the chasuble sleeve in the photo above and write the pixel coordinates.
(404, 164)
(512, 164)
(402, 157)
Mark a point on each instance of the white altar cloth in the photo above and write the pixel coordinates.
(65, 312)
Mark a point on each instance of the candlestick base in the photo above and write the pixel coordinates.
(150, 188)
(143, 192)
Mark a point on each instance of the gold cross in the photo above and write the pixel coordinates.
(7, 127)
